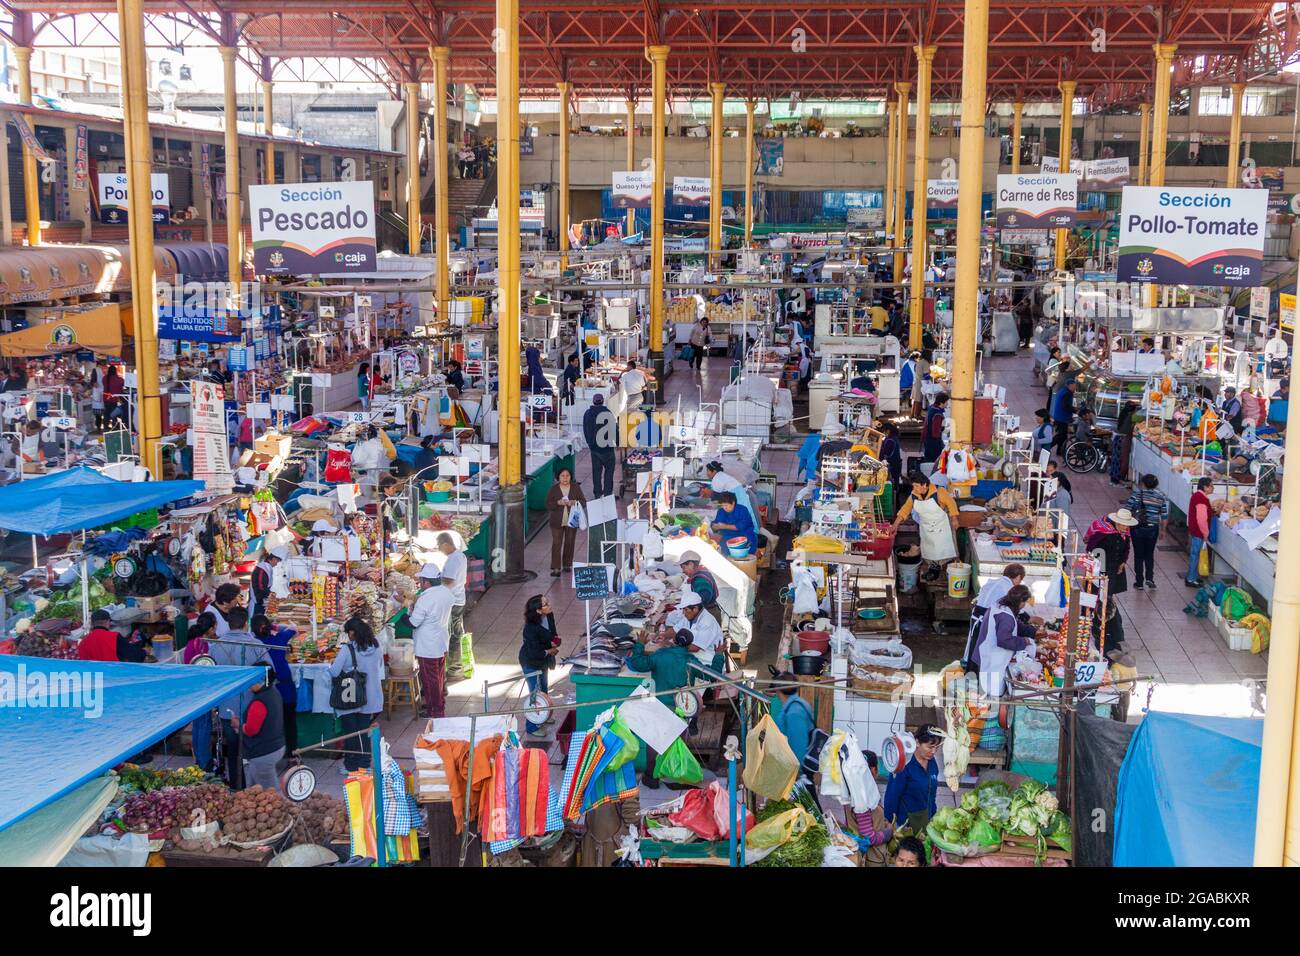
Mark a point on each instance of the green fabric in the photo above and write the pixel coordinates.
(668, 667)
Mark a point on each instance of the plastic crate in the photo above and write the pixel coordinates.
(1237, 638)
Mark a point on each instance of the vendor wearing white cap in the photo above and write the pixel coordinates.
(706, 631)
(429, 618)
(263, 578)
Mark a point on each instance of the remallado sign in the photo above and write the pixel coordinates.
(1100, 175)
(113, 198)
(1038, 200)
(309, 228)
(941, 194)
(1192, 235)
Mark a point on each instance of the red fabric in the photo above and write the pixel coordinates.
(99, 645)
(114, 385)
(1198, 515)
(433, 685)
(254, 718)
(246, 430)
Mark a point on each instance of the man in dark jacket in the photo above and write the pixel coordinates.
(600, 429)
(1063, 415)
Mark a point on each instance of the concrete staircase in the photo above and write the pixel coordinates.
(465, 199)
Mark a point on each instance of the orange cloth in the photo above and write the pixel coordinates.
(455, 760)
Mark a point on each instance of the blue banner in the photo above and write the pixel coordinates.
(203, 326)
(771, 157)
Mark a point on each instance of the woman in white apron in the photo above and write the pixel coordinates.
(1002, 635)
(937, 542)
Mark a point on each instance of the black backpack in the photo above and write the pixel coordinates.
(348, 690)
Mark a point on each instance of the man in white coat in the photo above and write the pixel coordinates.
(429, 619)
(455, 568)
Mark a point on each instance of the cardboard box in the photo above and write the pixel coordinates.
(273, 444)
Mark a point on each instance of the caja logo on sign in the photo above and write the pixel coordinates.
(309, 228)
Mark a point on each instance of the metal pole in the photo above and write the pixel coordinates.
(1017, 115)
(658, 56)
(376, 768)
(715, 173)
(412, 108)
(441, 199)
(969, 190)
(566, 89)
(631, 157)
(1067, 134)
(230, 124)
(268, 112)
(1234, 137)
(900, 182)
(31, 178)
(924, 60)
(891, 171)
(750, 105)
(1144, 144)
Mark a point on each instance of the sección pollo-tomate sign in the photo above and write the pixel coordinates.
(1192, 235)
(312, 228)
(1038, 200)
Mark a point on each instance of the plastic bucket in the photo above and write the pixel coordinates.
(958, 580)
(401, 657)
(819, 641)
(439, 497)
(908, 575)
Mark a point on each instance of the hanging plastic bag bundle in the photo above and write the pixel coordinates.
(770, 765)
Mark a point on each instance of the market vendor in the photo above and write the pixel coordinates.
(935, 514)
(989, 595)
(263, 578)
(102, 642)
(223, 602)
(699, 579)
(1001, 635)
(707, 643)
(455, 375)
(669, 668)
(910, 795)
(720, 481)
(932, 443)
(732, 521)
(633, 384)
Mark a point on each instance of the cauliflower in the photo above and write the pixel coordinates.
(40, 605)
(1047, 801)
(23, 626)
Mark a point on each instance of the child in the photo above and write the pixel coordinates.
(911, 852)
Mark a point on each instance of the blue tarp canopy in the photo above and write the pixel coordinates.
(82, 498)
(1187, 792)
(64, 722)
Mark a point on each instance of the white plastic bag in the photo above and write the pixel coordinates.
(805, 592)
(836, 855)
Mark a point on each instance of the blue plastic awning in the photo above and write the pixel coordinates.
(64, 722)
(82, 498)
(1187, 792)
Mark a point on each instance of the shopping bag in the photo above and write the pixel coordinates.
(678, 765)
(770, 765)
(1203, 563)
(720, 796)
(467, 654)
(697, 815)
(779, 829)
(687, 353)
(631, 746)
(578, 518)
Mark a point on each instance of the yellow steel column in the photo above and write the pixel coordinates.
(1017, 115)
(1144, 145)
(1067, 135)
(234, 213)
(900, 181)
(268, 120)
(1277, 818)
(1160, 112)
(139, 160)
(924, 60)
(974, 80)
(412, 91)
(441, 56)
(891, 171)
(565, 89)
(31, 178)
(507, 32)
(1230, 178)
(631, 157)
(750, 106)
(715, 174)
(659, 86)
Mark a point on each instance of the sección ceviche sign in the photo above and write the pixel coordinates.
(1192, 235)
(312, 228)
(1038, 200)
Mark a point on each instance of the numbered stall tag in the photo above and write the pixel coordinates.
(1089, 672)
(358, 418)
(539, 403)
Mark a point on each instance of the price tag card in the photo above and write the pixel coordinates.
(1087, 599)
(539, 403)
(283, 403)
(357, 418)
(327, 311)
(259, 410)
(61, 422)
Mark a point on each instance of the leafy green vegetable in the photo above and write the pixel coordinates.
(970, 802)
(953, 836)
(773, 807)
(804, 850)
(1059, 832)
(961, 819)
(995, 788)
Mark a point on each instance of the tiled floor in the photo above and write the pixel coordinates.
(1169, 645)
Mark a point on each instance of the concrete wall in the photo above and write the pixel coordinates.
(809, 163)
